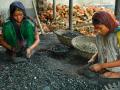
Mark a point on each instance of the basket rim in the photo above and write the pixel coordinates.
(73, 42)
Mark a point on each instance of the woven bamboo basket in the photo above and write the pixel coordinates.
(66, 36)
(85, 46)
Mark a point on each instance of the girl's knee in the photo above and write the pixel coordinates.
(107, 74)
(112, 74)
(115, 75)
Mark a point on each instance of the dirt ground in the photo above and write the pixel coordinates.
(48, 70)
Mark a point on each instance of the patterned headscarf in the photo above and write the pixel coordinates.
(106, 19)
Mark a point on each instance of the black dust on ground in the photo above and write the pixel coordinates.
(48, 69)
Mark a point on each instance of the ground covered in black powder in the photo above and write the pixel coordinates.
(48, 70)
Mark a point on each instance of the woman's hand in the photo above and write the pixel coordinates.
(29, 52)
(96, 67)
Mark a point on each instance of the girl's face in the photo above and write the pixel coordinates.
(101, 29)
(18, 16)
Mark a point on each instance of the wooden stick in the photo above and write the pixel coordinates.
(39, 23)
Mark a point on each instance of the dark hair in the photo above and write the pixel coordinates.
(105, 18)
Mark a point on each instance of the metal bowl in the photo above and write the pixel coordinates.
(85, 46)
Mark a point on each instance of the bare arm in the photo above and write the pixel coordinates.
(111, 64)
(93, 58)
(99, 67)
(34, 45)
(4, 44)
(37, 40)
